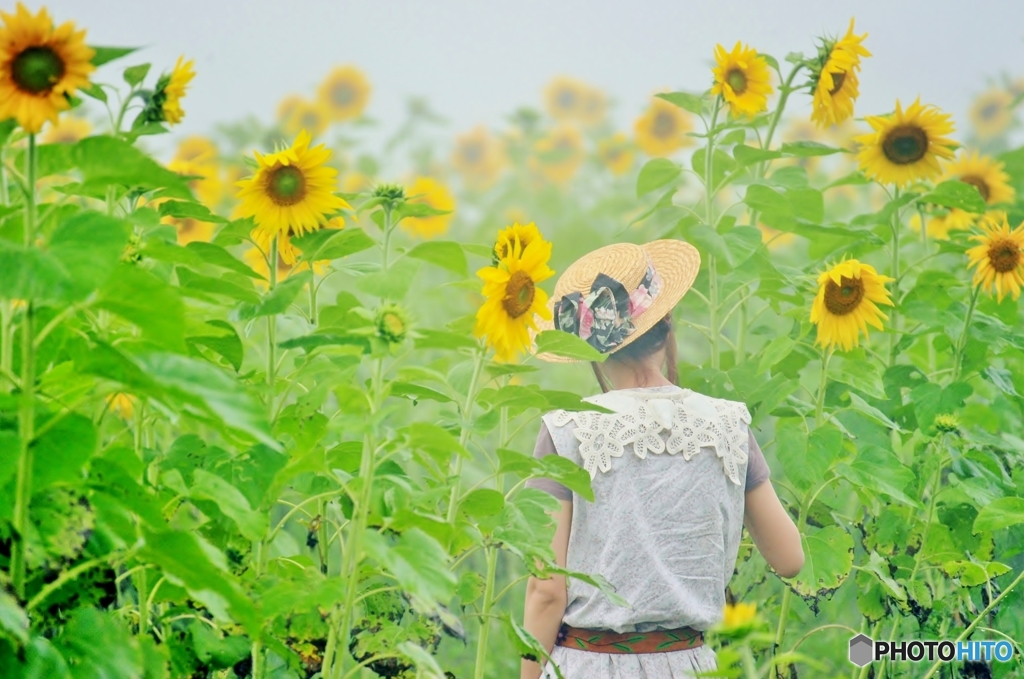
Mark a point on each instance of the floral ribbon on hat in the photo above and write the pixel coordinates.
(606, 316)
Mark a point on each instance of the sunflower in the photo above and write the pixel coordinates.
(983, 172)
(196, 149)
(742, 79)
(287, 255)
(478, 157)
(191, 230)
(40, 67)
(835, 82)
(616, 153)
(287, 106)
(208, 185)
(848, 295)
(292, 190)
(519, 236)
(174, 90)
(565, 98)
(991, 114)
(344, 93)
(662, 129)
(1000, 258)
(558, 155)
(907, 145)
(303, 114)
(67, 130)
(122, 405)
(738, 615)
(429, 191)
(513, 299)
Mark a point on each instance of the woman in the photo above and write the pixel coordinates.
(675, 475)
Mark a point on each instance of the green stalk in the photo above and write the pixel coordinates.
(257, 644)
(467, 411)
(895, 266)
(819, 406)
(312, 298)
(784, 92)
(709, 213)
(142, 588)
(485, 619)
(26, 409)
(780, 630)
(961, 344)
(7, 340)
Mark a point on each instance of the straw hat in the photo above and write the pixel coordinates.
(673, 263)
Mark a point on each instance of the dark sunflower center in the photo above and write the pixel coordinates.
(472, 153)
(1004, 255)
(837, 82)
(37, 69)
(519, 293)
(989, 111)
(737, 81)
(310, 120)
(844, 298)
(186, 225)
(343, 94)
(981, 184)
(664, 124)
(611, 155)
(566, 99)
(286, 185)
(905, 144)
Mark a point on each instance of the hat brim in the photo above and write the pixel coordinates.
(678, 264)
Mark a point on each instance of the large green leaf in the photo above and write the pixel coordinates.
(1003, 513)
(567, 345)
(110, 161)
(88, 246)
(277, 300)
(684, 100)
(417, 561)
(13, 619)
(207, 486)
(329, 244)
(62, 452)
(445, 254)
(881, 471)
(98, 645)
(956, 194)
(655, 174)
(828, 558)
(147, 302)
(103, 55)
(190, 562)
(209, 389)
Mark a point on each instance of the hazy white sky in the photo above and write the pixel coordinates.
(478, 60)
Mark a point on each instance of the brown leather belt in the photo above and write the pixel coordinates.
(601, 641)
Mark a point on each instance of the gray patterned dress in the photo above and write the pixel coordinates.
(669, 471)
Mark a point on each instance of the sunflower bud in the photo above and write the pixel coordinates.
(392, 323)
(389, 192)
(947, 423)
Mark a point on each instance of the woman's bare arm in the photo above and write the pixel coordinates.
(546, 599)
(774, 533)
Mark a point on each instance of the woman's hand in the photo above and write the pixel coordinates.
(546, 599)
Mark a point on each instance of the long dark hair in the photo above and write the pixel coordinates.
(661, 335)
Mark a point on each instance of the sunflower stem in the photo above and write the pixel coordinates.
(388, 227)
(819, 406)
(895, 224)
(709, 214)
(784, 93)
(467, 411)
(961, 343)
(485, 613)
(312, 300)
(272, 330)
(26, 408)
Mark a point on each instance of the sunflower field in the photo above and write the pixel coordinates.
(267, 406)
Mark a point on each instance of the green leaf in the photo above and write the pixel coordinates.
(972, 574)
(63, 451)
(391, 284)
(411, 209)
(445, 254)
(13, 620)
(806, 149)
(748, 155)
(881, 471)
(189, 209)
(31, 274)
(228, 345)
(956, 194)
(103, 55)
(211, 390)
(98, 645)
(144, 300)
(1002, 513)
(88, 247)
(828, 558)
(218, 256)
(482, 502)
(767, 201)
(190, 562)
(207, 486)
(424, 662)
(862, 406)
(133, 75)
(277, 300)
(806, 204)
(567, 345)
(684, 100)
(655, 174)
(95, 91)
(778, 349)
(417, 562)
(527, 645)
(109, 161)
(1002, 379)
(331, 244)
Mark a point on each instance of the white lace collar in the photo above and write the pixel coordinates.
(638, 418)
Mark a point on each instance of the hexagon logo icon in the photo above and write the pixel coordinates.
(862, 650)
